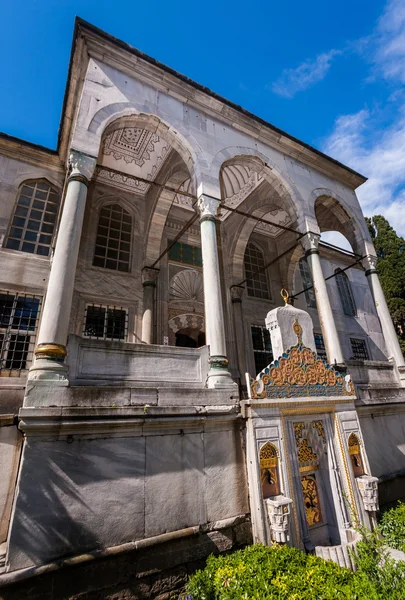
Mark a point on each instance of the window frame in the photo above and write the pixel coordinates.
(106, 308)
(364, 342)
(53, 189)
(12, 331)
(263, 274)
(318, 335)
(113, 202)
(345, 291)
(306, 279)
(257, 351)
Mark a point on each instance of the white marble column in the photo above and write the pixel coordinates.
(219, 375)
(236, 296)
(387, 326)
(330, 334)
(149, 277)
(51, 346)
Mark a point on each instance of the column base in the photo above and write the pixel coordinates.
(49, 370)
(218, 375)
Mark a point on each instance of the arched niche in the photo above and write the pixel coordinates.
(269, 470)
(355, 455)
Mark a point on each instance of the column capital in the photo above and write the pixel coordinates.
(369, 263)
(149, 276)
(82, 166)
(236, 293)
(208, 207)
(310, 242)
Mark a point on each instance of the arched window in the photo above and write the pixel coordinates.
(345, 293)
(113, 243)
(33, 223)
(257, 285)
(307, 283)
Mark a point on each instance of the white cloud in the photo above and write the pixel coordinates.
(379, 153)
(307, 74)
(389, 42)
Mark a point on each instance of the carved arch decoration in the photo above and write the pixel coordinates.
(261, 164)
(189, 322)
(178, 136)
(269, 470)
(355, 455)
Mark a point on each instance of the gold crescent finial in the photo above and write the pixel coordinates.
(284, 294)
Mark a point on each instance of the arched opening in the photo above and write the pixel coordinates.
(337, 225)
(190, 338)
(262, 228)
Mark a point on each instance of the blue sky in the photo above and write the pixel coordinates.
(329, 73)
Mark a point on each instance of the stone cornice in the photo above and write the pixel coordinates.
(103, 47)
(31, 153)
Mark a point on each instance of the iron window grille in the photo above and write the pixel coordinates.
(345, 293)
(113, 242)
(103, 322)
(307, 283)
(19, 315)
(320, 346)
(257, 284)
(359, 349)
(34, 219)
(262, 350)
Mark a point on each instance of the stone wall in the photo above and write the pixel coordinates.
(95, 479)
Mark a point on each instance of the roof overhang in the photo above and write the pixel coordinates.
(89, 41)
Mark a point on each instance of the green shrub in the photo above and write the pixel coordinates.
(392, 527)
(277, 572)
(373, 561)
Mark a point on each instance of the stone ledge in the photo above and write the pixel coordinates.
(124, 396)
(138, 570)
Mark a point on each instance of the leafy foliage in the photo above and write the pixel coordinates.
(373, 561)
(277, 572)
(390, 250)
(392, 527)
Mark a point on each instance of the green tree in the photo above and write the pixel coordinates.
(390, 249)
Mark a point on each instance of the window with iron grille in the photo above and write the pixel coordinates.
(359, 349)
(113, 243)
(320, 346)
(105, 322)
(34, 220)
(345, 293)
(307, 282)
(257, 284)
(262, 350)
(19, 315)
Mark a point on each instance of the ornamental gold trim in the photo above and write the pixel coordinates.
(347, 473)
(291, 484)
(52, 351)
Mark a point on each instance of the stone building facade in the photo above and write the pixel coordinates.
(139, 262)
